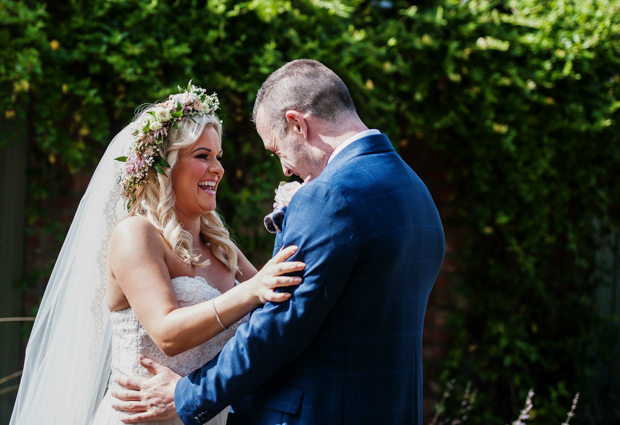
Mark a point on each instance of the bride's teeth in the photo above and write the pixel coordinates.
(207, 185)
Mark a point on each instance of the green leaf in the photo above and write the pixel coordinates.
(146, 127)
(175, 125)
(161, 161)
(180, 89)
(121, 159)
(177, 114)
(159, 169)
(151, 112)
(190, 117)
(189, 85)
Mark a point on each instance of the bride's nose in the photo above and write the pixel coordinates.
(216, 168)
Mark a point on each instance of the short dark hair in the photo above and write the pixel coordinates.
(303, 85)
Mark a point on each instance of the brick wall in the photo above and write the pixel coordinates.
(42, 237)
(428, 164)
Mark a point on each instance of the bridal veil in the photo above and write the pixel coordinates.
(68, 354)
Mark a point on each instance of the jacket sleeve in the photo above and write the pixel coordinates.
(321, 222)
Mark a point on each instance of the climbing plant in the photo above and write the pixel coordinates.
(520, 97)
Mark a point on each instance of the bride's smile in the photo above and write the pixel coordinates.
(197, 174)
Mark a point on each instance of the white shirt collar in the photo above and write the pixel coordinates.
(351, 140)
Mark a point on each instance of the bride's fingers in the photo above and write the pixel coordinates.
(289, 267)
(286, 281)
(284, 254)
(278, 297)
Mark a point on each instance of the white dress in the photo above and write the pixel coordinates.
(129, 340)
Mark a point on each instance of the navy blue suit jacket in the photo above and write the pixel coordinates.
(347, 347)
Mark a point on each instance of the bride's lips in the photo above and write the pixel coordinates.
(208, 186)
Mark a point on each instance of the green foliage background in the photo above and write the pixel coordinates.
(520, 96)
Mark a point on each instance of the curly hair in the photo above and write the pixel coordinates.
(155, 200)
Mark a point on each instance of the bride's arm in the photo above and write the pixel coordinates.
(137, 262)
(246, 269)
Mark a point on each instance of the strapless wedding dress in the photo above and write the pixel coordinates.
(129, 340)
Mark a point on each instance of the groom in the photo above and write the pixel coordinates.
(346, 348)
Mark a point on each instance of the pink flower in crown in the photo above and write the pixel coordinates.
(149, 131)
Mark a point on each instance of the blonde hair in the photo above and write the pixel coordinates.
(155, 200)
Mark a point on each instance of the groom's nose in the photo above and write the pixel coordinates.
(287, 172)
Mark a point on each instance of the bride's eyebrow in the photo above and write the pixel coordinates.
(204, 149)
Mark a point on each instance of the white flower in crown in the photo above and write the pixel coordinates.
(285, 192)
(148, 133)
(155, 125)
(162, 114)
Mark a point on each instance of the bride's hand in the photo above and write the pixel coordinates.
(270, 277)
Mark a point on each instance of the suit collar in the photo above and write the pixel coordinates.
(367, 145)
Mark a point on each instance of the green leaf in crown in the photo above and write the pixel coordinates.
(150, 130)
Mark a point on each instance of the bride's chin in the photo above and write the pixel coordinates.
(207, 208)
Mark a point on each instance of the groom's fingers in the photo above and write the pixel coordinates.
(125, 395)
(140, 417)
(129, 406)
(133, 419)
(133, 383)
(150, 365)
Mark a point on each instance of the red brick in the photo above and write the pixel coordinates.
(32, 242)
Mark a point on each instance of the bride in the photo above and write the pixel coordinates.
(160, 283)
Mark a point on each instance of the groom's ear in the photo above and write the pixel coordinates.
(297, 123)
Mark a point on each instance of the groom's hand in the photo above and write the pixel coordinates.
(149, 399)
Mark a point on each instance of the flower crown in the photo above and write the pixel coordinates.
(147, 135)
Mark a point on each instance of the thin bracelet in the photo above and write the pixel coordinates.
(217, 315)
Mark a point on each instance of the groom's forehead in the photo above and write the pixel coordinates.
(265, 130)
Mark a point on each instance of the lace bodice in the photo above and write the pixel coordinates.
(129, 338)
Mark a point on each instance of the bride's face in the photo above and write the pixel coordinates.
(197, 174)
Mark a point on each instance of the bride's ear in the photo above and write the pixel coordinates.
(297, 123)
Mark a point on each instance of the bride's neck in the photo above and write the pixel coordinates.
(191, 225)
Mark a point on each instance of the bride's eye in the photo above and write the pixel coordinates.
(219, 158)
(203, 156)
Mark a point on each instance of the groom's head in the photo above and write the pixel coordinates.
(298, 110)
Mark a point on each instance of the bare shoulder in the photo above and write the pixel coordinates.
(136, 236)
